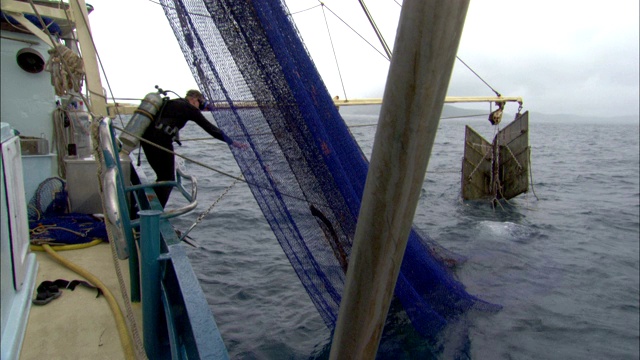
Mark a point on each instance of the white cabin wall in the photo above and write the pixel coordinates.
(27, 104)
(28, 100)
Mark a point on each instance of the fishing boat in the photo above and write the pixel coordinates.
(309, 185)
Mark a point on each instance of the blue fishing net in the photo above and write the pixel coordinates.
(303, 166)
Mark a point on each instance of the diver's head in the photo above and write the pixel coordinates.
(195, 98)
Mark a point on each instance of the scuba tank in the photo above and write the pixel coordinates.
(142, 117)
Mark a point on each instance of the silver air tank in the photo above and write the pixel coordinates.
(142, 117)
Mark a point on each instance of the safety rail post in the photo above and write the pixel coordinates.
(150, 282)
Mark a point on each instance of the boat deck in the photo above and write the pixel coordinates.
(77, 324)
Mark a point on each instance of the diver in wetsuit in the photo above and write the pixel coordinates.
(172, 117)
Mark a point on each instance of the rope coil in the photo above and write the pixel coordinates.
(67, 70)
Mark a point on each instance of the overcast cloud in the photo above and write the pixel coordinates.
(573, 57)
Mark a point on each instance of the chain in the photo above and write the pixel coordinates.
(519, 111)
(531, 177)
(477, 167)
(206, 212)
(514, 157)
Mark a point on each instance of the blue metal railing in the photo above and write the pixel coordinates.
(169, 284)
(150, 270)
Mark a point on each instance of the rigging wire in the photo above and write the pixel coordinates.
(127, 99)
(301, 11)
(176, 154)
(442, 118)
(375, 29)
(386, 48)
(479, 77)
(334, 53)
(324, 6)
(484, 115)
(237, 178)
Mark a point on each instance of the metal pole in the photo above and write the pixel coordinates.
(150, 274)
(423, 57)
(97, 98)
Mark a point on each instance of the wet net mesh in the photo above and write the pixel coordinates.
(303, 166)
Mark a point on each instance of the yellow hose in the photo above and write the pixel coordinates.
(95, 241)
(123, 331)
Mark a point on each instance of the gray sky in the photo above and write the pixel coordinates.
(562, 57)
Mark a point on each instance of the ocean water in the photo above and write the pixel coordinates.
(562, 260)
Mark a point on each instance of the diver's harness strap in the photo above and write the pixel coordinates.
(174, 132)
(146, 113)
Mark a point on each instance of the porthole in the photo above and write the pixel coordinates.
(30, 60)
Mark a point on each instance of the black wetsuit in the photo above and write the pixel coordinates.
(163, 130)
